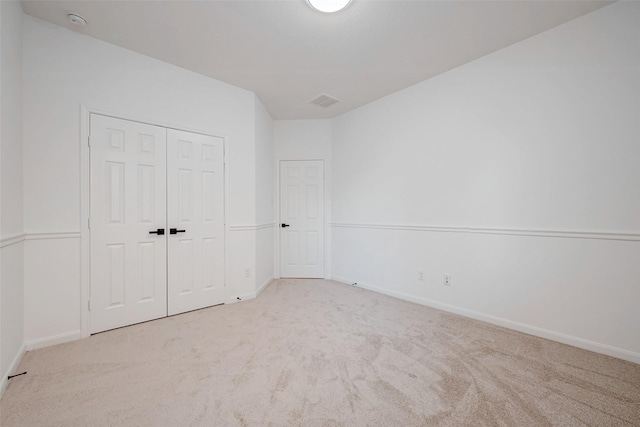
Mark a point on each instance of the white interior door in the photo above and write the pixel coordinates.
(128, 202)
(195, 180)
(157, 222)
(302, 218)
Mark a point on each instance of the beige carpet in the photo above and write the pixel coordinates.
(319, 353)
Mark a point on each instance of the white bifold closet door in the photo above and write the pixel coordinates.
(157, 222)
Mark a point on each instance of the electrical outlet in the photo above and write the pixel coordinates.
(247, 272)
(421, 275)
(446, 280)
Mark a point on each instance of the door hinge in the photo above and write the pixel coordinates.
(89, 223)
(89, 305)
(89, 140)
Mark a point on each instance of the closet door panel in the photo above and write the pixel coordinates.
(195, 212)
(128, 201)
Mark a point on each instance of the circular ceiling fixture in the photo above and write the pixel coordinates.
(329, 6)
(76, 19)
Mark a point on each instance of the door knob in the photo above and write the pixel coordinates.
(284, 225)
(159, 232)
(175, 231)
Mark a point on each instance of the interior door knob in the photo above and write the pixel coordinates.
(175, 231)
(159, 232)
(284, 225)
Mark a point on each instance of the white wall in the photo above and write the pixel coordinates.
(264, 165)
(302, 139)
(305, 140)
(513, 174)
(62, 70)
(265, 209)
(11, 224)
(252, 246)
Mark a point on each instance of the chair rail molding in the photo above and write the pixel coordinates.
(12, 240)
(567, 234)
(251, 227)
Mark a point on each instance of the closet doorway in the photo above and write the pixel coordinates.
(156, 222)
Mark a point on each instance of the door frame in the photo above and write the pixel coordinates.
(327, 235)
(85, 200)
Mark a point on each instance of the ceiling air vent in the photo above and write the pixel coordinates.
(324, 101)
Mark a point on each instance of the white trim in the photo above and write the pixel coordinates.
(276, 237)
(251, 227)
(250, 295)
(39, 236)
(53, 235)
(8, 241)
(264, 286)
(243, 297)
(53, 340)
(571, 234)
(4, 381)
(509, 324)
(148, 121)
(227, 258)
(267, 225)
(85, 234)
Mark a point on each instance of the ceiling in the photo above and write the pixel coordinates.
(288, 53)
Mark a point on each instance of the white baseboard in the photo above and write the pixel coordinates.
(4, 382)
(250, 295)
(509, 324)
(243, 297)
(264, 286)
(53, 340)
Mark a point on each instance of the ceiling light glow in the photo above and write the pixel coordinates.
(329, 6)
